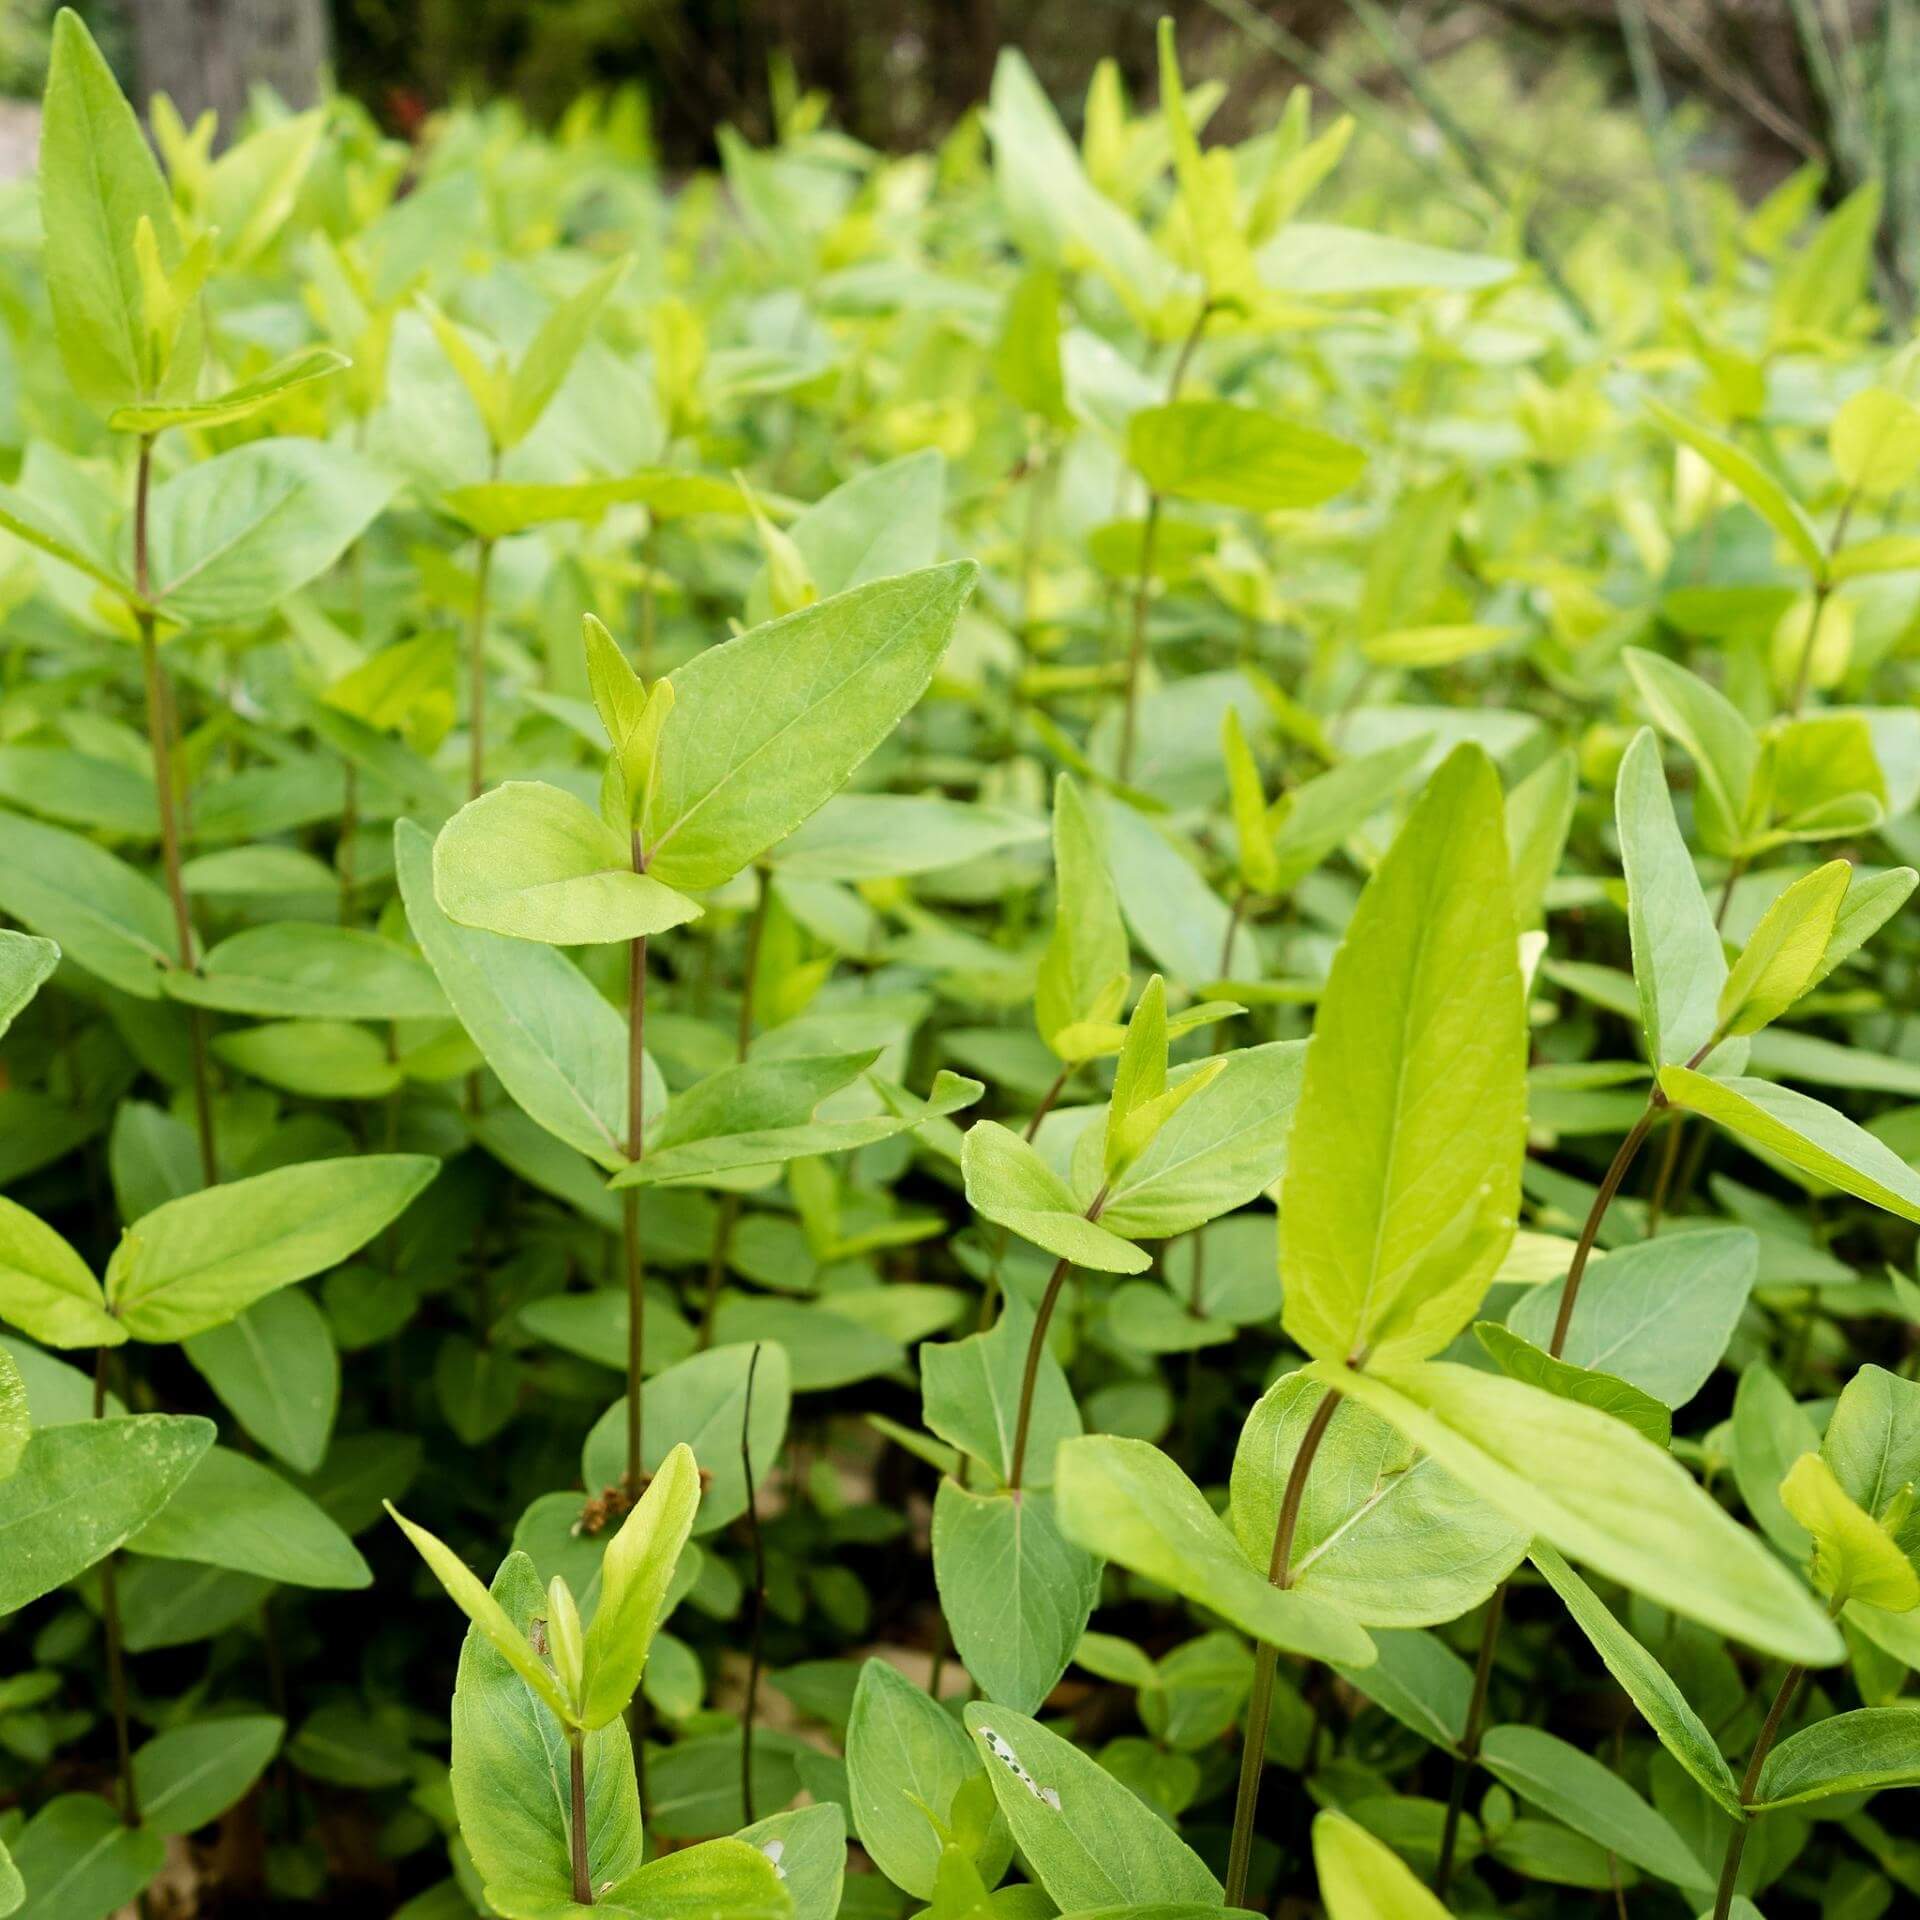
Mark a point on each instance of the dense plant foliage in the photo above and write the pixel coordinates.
(1070, 1021)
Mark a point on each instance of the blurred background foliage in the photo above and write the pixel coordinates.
(1541, 112)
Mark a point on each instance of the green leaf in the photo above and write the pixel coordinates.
(1872, 1443)
(1234, 456)
(234, 535)
(717, 1880)
(1657, 1314)
(317, 1059)
(634, 1576)
(233, 1512)
(82, 1491)
(297, 969)
(16, 1419)
(1520, 1359)
(1384, 1533)
(26, 964)
(46, 1289)
(98, 181)
(1875, 442)
(106, 917)
(196, 1262)
(78, 1858)
(1679, 966)
(559, 1048)
(1584, 1793)
(1854, 1557)
(1126, 1501)
(1646, 1682)
(507, 1637)
(1361, 1878)
(904, 1752)
(808, 1848)
(1084, 970)
(1783, 956)
(237, 402)
(531, 861)
(190, 1775)
(1761, 491)
(1861, 1752)
(1803, 1131)
(1402, 1178)
(1868, 906)
(1009, 1184)
(1088, 1840)
(510, 1772)
(499, 508)
(277, 1371)
(1597, 1491)
(1016, 1591)
(538, 374)
(1715, 733)
(876, 836)
(970, 1395)
(767, 728)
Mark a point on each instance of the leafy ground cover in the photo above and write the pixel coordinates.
(1056, 1003)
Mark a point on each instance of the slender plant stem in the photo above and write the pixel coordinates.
(630, 1200)
(577, 1824)
(1737, 1839)
(1253, 1750)
(349, 826)
(477, 674)
(110, 1622)
(1047, 1099)
(1822, 593)
(1470, 1738)
(758, 1596)
(1623, 1160)
(750, 962)
(159, 738)
(1036, 1346)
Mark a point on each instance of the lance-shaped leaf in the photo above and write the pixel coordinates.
(632, 716)
(195, 1262)
(767, 728)
(105, 916)
(1872, 1443)
(26, 964)
(16, 1422)
(634, 1576)
(1247, 802)
(495, 509)
(1860, 1752)
(1320, 815)
(1854, 1556)
(1724, 749)
(469, 1593)
(1869, 904)
(1679, 966)
(1520, 1359)
(1127, 1502)
(1645, 1681)
(237, 402)
(559, 1048)
(510, 1760)
(1090, 1842)
(46, 1289)
(82, 1490)
(1083, 973)
(970, 1395)
(1362, 1878)
(1803, 1131)
(1142, 1102)
(299, 969)
(539, 372)
(1403, 1167)
(1783, 955)
(1767, 496)
(760, 1113)
(533, 862)
(1592, 1487)
(98, 181)
(1009, 1184)
(1233, 456)
(1384, 1532)
(1017, 1593)
(878, 836)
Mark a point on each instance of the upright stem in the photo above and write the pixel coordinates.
(1470, 1738)
(159, 739)
(110, 1621)
(630, 1198)
(349, 826)
(1583, 1249)
(1047, 1099)
(577, 1824)
(759, 1597)
(1253, 1751)
(1737, 1839)
(1036, 1346)
(750, 963)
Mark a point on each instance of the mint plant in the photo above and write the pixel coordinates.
(1061, 994)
